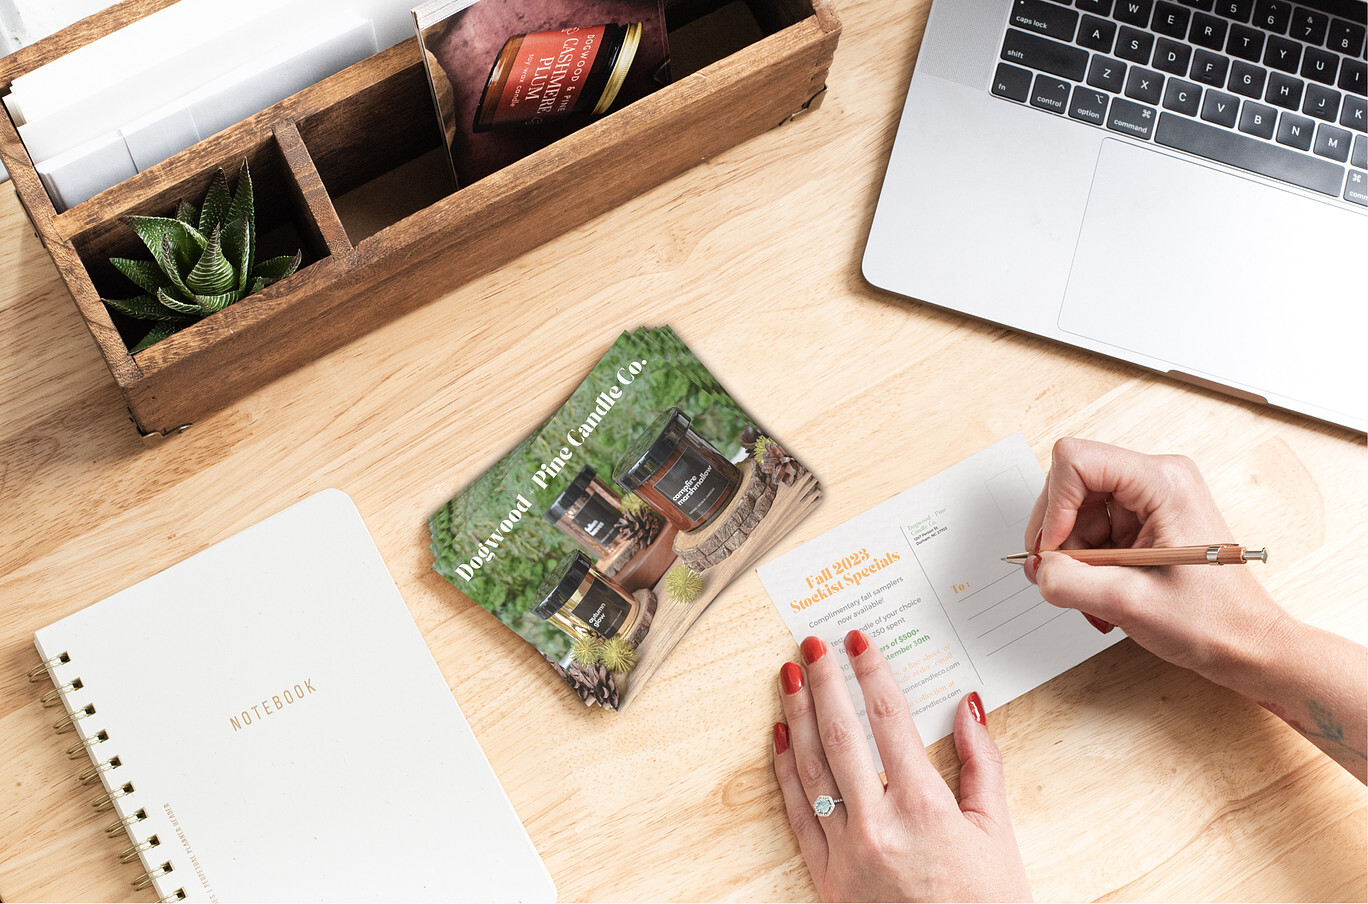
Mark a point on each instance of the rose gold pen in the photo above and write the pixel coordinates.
(1214, 554)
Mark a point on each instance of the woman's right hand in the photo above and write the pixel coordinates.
(1100, 496)
(1216, 620)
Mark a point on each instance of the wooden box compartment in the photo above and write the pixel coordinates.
(351, 172)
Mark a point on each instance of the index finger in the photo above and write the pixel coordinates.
(1083, 473)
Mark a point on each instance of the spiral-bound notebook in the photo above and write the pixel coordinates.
(265, 722)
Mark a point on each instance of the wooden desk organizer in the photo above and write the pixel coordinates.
(348, 131)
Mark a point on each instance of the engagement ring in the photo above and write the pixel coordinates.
(825, 805)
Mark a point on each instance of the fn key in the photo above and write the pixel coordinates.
(1011, 82)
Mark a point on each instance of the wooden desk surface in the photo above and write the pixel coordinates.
(1128, 779)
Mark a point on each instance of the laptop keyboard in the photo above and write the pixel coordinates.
(1268, 86)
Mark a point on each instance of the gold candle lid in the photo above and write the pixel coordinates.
(631, 39)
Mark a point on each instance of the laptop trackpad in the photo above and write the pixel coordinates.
(1221, 277)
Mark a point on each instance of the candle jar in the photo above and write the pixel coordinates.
(588, 512)
(550, 75)
(580, 600)
(677, 472)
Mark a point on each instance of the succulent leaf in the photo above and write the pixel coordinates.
(143, 307)
(189, 308)
(277, 268)
(212, 274)
(244, 205)
(187, 212)
(212, 303)
(158, 332)
(146, 275)
(217, 201)
(237, 249)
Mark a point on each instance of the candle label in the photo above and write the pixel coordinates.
(693, 484)
(601, 609)
(548, 75)
(598, 519)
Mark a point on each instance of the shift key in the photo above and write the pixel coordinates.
(1049, 56)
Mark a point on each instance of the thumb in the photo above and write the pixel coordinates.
(983, 787)
(1095, 590)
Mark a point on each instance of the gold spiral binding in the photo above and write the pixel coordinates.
(40, 671)
(79, 750)
(106, 801)
(92, 775)
(131, 854)
(54, 697)
(68, 722)
(145, 881)
(119, 826)
(177, 895)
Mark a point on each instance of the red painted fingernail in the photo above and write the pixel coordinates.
(976, 709)
(791, 677)
(1040, 535)
(1031, 567)
(856, 642)
(813, 649)
(781, 737)
(1099, 624)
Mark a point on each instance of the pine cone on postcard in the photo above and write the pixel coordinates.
(639, 527)
(592, 684)
(776, 463)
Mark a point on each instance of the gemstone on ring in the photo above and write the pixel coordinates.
(825, 805)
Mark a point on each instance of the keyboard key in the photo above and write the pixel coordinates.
(1296, 131)
(1359, 156)
(1182, 97)
(1333, 143)
(1096, 7)
(1035, 52)
(1088, 105)
(1131, 118)
(1049, 93)
(1321, 102)
(1353, 76)
(1356, 188)
(1284, 91)
(1107, 74)
(1133, 12)
(1345, 37)
(1319, 65)
(1209, 68)
(1251, 154)
(1170, 19)
(1245, 43)
(1246, 79)
(1273, 15)
(1282, 54)
(1207, 31)
(1134, 45)
(1096, 34)
(1172, 57)
(1044, 18)
(1239, 10)
(1011, 82)
(1258, 120)
(1353, 115)
(1309, 25)
(1144, 85)
(1221, 108)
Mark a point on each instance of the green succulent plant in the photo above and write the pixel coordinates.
(203, 260)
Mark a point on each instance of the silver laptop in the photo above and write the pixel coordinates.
(1182, 185)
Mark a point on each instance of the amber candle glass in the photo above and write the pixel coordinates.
(677, 472)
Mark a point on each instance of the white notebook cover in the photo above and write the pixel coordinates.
(286, 731)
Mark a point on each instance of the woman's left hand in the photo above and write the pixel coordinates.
(909, 841)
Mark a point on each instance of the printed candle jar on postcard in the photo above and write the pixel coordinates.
(922, 575)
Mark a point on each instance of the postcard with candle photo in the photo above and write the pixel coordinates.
(603, 536)
(509, 77)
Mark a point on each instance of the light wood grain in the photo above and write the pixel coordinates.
(1128, 779)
